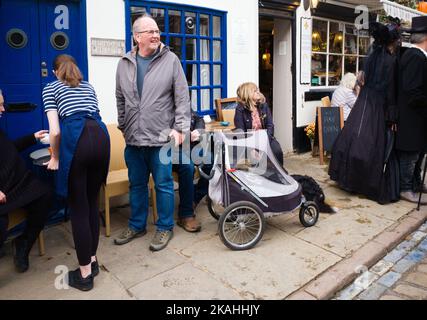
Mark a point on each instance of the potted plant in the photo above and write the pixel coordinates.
(309, 132)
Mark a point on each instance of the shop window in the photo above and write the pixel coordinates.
(197, 36)
(337, 48)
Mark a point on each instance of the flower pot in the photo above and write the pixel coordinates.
(422, 6)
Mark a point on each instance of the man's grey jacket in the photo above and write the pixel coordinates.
(164, 102)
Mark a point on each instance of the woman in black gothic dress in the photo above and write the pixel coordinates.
(363, 159)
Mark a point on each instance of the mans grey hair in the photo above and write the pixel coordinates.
(136, 22)
(1, 93)
(418, 38)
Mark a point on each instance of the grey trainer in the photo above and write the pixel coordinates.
(161, 240)
(127, 235)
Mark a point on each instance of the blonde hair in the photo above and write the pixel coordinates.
(245, 93)
(349, 81)
(67, 70)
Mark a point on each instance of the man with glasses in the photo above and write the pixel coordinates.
(153, 107)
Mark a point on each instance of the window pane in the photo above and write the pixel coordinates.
(217, 51)
(190, 23)
(361, 63)
(216, 26)
(217, 94)
(174, 21)
(136, 12)
(193, 97)
(191, 74)
(205, 97)
(320, 35)
(363, 45)
(216, 75)
(350, 64)
(335, 70)
(204, 50)
(191, 47)
(318, 69)
(205, 77)
(159, 16)
(335, 38)
(175, 45)
(163, 39)
(350, 40)
(204, 25)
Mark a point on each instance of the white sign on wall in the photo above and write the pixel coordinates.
(107, 47)
(305, 63)
(240, 35)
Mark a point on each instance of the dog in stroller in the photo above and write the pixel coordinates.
(250, 185)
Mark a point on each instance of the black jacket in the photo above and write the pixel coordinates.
(412, 102)
(17, 182)
(243, 119)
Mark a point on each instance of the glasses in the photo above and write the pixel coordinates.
(150, 32)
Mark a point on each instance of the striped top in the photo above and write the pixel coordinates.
(67, 100)
(345, 98)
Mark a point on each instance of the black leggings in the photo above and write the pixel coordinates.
(37, 214)
(87, 173)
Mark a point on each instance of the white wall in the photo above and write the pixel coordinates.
(106, 19)
(282, 84)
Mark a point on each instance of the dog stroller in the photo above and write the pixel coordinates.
(247, 185)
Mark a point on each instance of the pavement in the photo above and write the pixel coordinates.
(290, 262)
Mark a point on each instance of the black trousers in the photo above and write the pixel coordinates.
(87, 173)
(38, 213)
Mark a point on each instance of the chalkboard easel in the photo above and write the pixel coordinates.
(330, 121)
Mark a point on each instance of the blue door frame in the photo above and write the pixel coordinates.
(27, 68)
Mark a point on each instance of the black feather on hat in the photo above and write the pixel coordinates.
(385, 34)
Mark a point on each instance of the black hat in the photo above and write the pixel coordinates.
(419, 25)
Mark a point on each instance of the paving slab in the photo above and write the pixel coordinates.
(268, 271)
(39, 282)
(345, 231)
(184, 282)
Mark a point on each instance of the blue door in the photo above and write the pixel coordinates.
(32, 34)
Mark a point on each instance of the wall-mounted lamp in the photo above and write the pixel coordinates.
(314, 4)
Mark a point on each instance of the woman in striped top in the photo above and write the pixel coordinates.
(80, 152)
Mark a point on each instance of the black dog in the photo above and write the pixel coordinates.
(313, 192)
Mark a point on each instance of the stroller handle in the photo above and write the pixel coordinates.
(203, 174)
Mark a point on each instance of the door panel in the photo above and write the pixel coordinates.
(20, 70)
(51, 28)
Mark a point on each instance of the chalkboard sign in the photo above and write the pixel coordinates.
(330, 121)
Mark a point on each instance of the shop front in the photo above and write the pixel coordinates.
(332, 40)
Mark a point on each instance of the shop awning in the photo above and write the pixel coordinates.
(391, 8)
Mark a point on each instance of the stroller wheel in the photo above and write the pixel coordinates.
(308, 214)
(241, 225)
(214, 209)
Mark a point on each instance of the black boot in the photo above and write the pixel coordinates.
(76, 280)
(21, 252)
